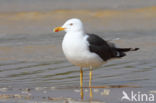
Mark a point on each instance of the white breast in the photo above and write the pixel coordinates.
(75, 48)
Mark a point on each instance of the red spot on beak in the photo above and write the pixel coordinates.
(56, 30)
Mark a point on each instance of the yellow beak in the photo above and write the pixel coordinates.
(57, 29)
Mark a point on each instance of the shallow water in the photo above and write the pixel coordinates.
(36, 62)
(61, 73)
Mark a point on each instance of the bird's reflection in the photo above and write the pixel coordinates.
(106, 90)
(81, 93)
(90, 93)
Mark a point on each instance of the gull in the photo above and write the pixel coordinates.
(87, 50)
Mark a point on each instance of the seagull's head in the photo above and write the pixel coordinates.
(70, 25)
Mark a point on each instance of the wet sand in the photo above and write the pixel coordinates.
(139, 20)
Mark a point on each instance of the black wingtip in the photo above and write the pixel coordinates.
(134, 49)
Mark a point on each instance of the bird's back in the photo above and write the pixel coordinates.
(105, 49)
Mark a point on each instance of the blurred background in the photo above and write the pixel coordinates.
(31, 54)
(36, 16)
(46, 5)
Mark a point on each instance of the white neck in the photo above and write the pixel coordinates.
(75, 34)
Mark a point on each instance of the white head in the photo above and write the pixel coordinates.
(70, 25)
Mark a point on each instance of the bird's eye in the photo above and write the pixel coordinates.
(71, 24)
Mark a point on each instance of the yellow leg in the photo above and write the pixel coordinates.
(81, 83)
(90, 83)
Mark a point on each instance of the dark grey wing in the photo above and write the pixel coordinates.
(101, 47)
